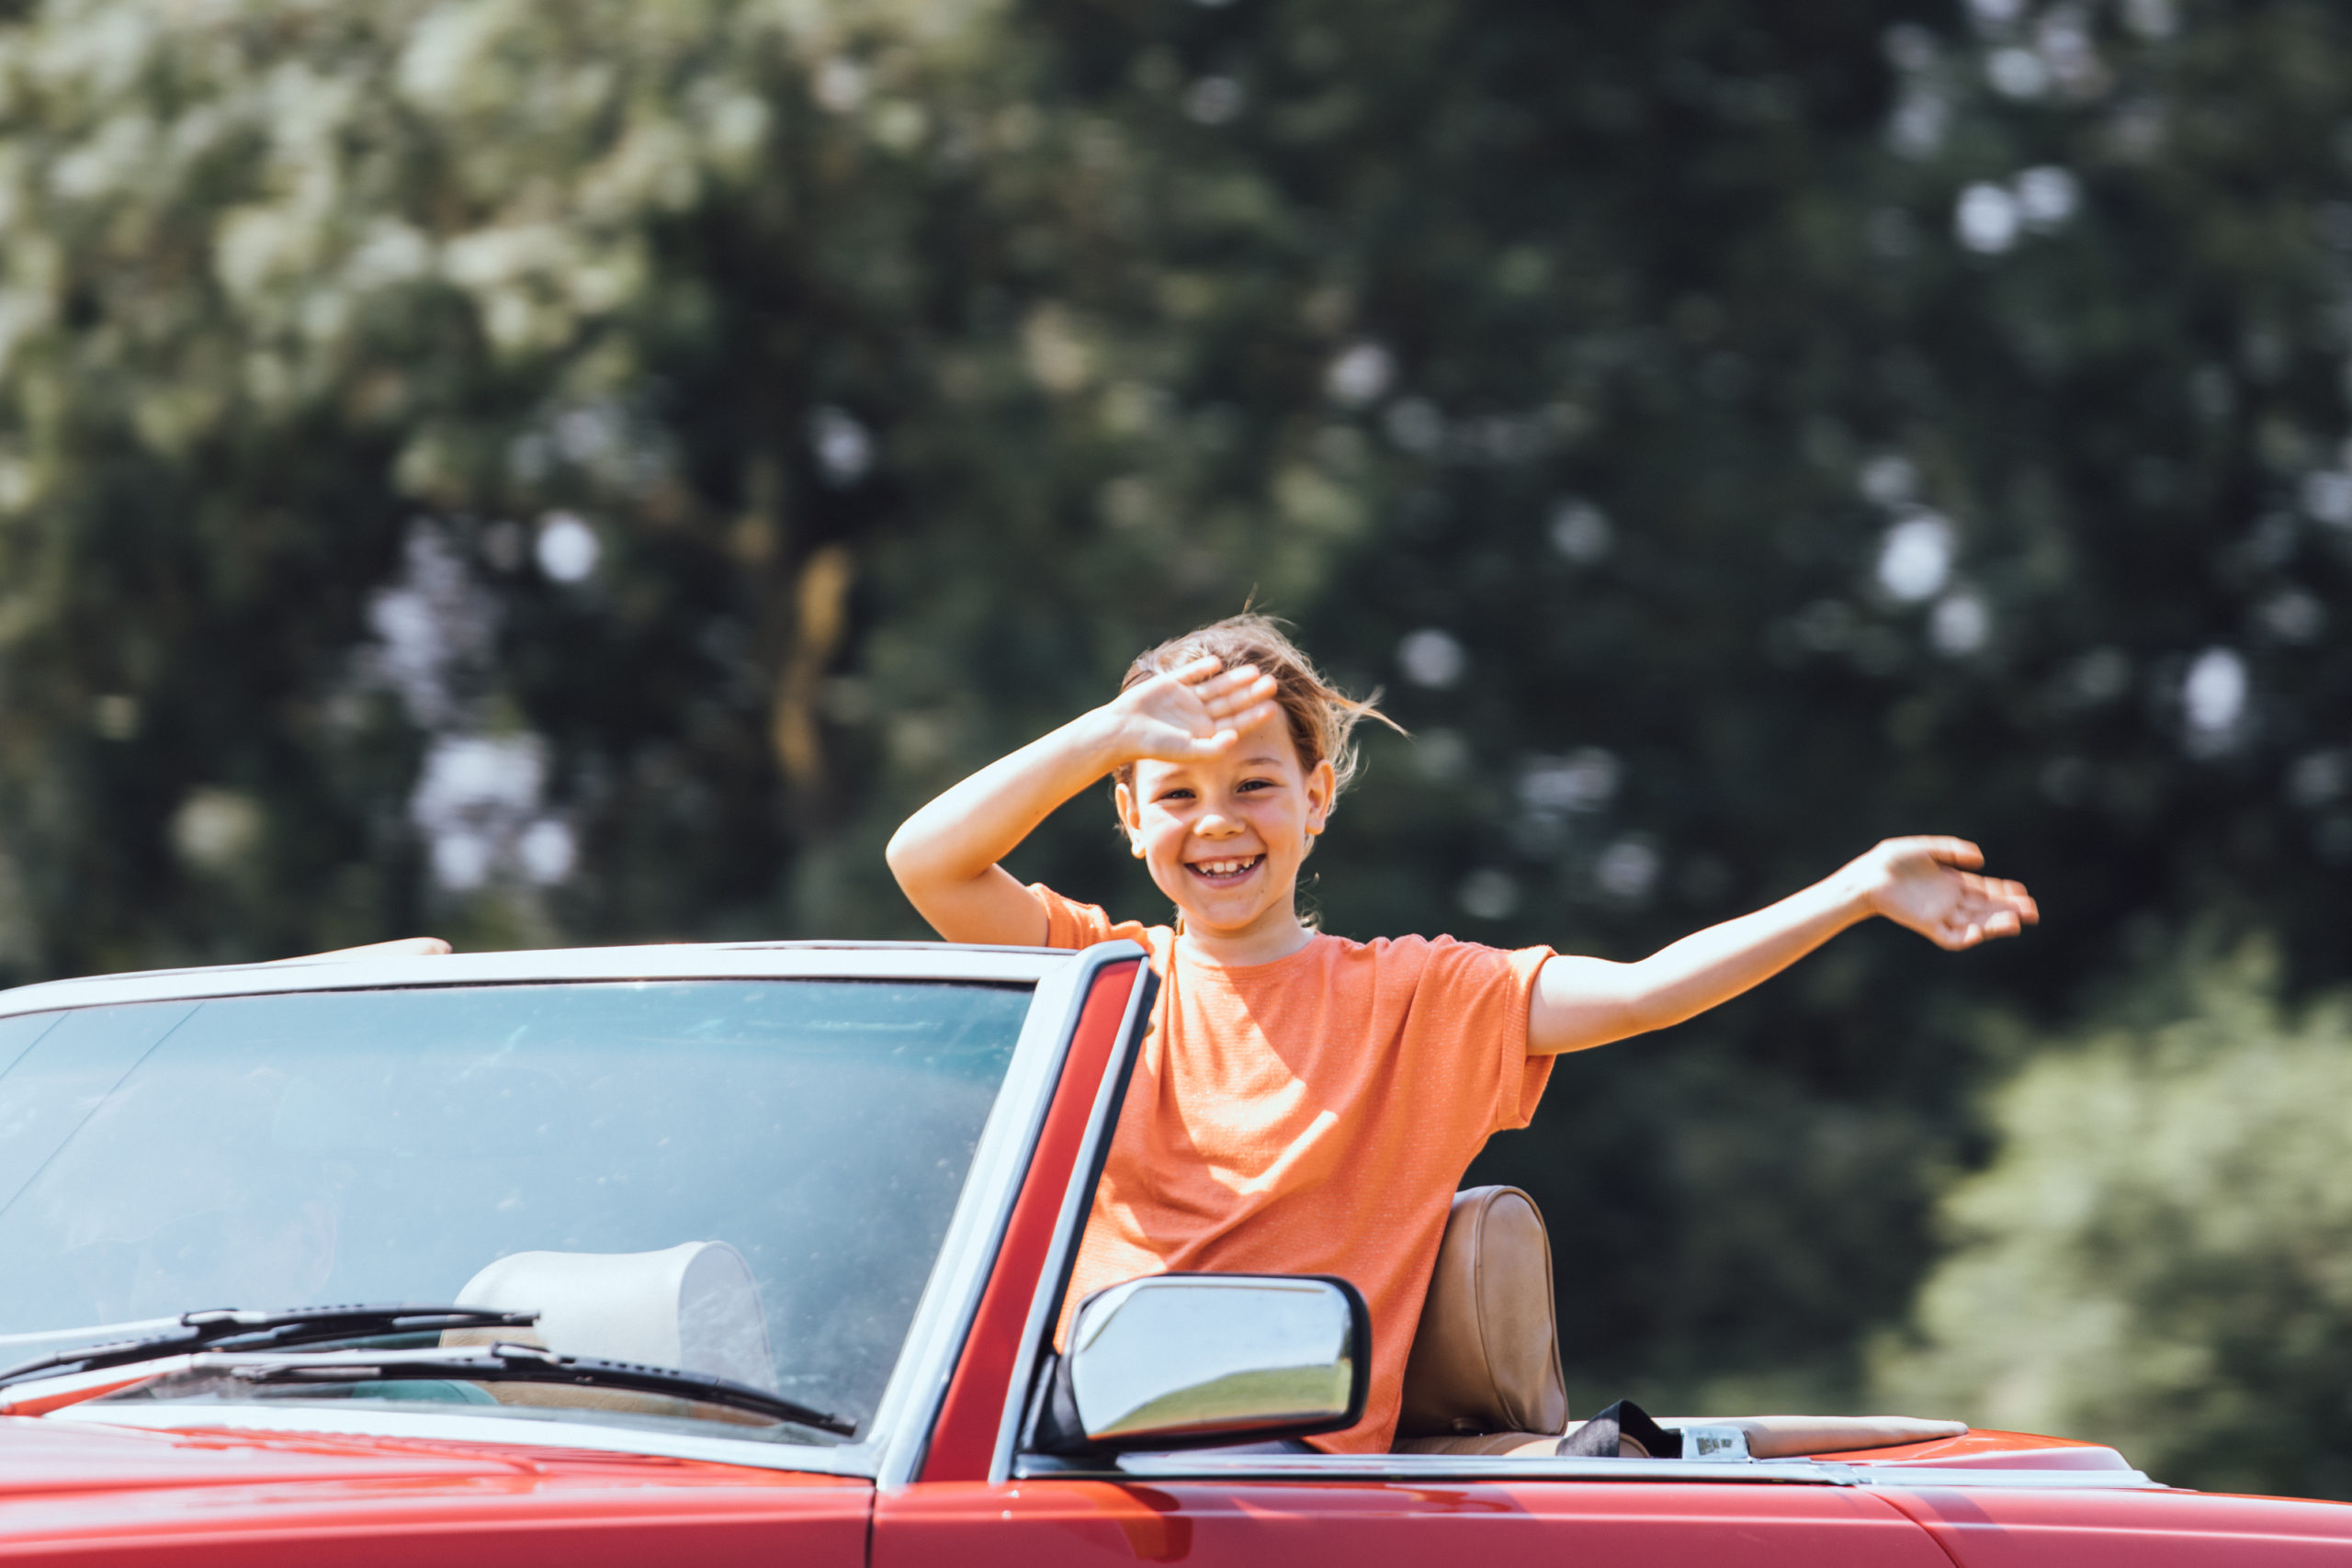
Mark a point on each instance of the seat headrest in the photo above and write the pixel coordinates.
(1486, 1356)
(693, 1307)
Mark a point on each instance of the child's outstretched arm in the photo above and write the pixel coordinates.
(946, 855)
(1928, 884)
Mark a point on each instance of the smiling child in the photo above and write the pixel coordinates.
(1306, 1104)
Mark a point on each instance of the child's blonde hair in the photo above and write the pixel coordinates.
(1322, 717)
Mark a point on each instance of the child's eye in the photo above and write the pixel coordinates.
(1248, 785)
(1174, 794)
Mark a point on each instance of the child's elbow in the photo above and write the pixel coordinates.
(902, 856)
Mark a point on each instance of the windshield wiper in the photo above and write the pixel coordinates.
(506, 1362)
(238, 1328)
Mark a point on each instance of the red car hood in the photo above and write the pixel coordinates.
(73, 1486)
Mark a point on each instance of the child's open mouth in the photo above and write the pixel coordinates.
(1224, 873)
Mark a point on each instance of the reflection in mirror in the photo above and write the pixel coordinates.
(1173, 1360)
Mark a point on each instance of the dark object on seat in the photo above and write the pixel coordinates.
(1485, 1358)
(1624, 1431)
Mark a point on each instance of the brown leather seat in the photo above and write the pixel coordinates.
(1484, 1376)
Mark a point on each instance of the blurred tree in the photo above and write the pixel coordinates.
(582, 471)
(430, 436)
(2156, 1254)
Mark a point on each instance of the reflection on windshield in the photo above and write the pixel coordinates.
(755, 1175)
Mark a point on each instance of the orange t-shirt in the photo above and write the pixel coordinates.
(1312, 1115)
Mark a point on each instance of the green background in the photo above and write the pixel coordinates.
(1729, 432)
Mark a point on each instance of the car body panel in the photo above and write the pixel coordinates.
(82, 1492)
(1051, 1524)
(1999, 1527)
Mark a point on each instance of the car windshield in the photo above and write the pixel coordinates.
(750, 1179)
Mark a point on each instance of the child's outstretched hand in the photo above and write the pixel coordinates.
(1196, 711)
(1931, 885)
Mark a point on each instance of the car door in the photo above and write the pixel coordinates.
(1495, 1523)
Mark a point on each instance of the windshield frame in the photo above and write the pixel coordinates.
(943, 1312)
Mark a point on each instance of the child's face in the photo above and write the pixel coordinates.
(1224, 837)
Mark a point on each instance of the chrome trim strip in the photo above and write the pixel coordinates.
(852, 1462)
(1078, 1200)
(683, 961)
(910, 1404)
(1415, 1469)
(1411, 1469)
(1908, 1478)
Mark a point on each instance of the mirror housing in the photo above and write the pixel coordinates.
(1185, 1361)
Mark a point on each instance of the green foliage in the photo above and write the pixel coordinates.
(569, 469)
(281, 277)
(2157, 1256)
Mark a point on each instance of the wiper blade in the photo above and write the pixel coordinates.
(507, 1362)
(242, 1329)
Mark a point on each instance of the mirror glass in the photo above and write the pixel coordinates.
(1174, 1358)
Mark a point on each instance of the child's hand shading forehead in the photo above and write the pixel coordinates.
(1195, 711)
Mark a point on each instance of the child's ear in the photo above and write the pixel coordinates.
(1129, 819)
(1322, 790)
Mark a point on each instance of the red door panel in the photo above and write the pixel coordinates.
(2129, 1529)
(1067, 1524)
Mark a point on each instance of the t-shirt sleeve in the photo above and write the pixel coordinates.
(1071, 924)
(1484, 993)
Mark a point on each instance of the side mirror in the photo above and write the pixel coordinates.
(1181, 1360)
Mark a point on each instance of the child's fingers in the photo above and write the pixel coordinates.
(1234, 688)
(1965, 930)
(1198, 670)
(1230, 709)
(1999, 893)
(1250, 718)
(1951, 851)
(2019, 902)
(1242, 678)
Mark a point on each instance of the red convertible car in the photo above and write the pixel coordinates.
(754, 1254)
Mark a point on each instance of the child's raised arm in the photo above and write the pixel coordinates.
(1930, 884)
(946, 855)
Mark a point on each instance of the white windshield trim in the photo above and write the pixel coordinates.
(684, 961)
